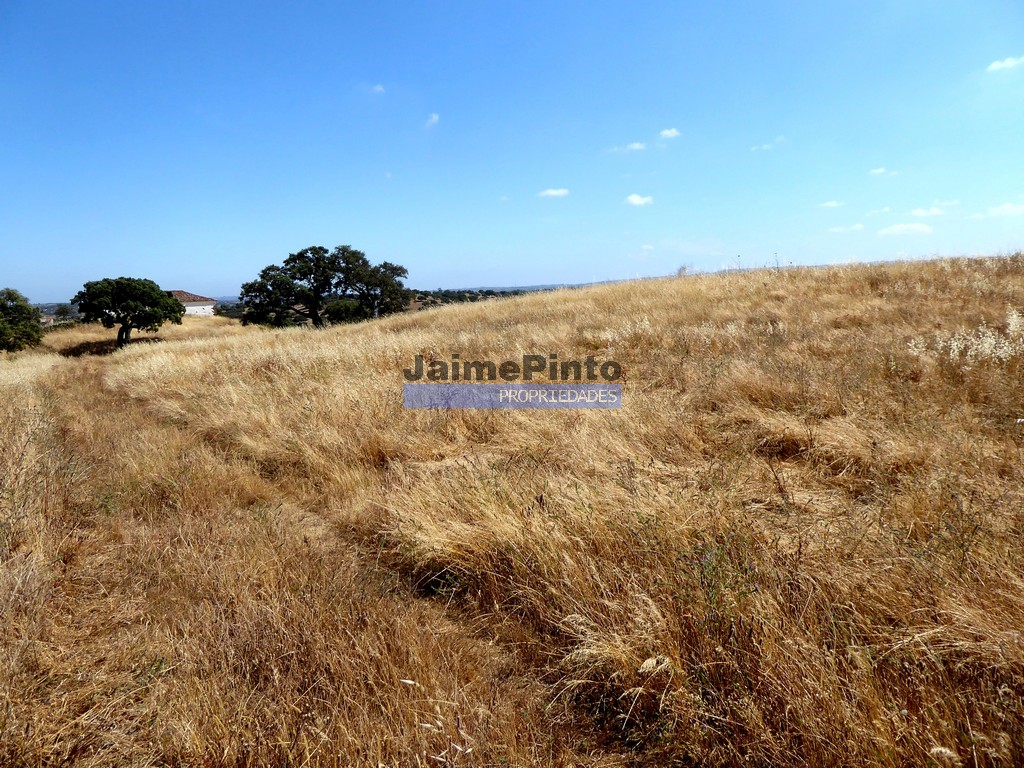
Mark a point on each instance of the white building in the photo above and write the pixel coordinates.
(194, 305)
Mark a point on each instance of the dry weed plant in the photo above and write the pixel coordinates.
(797, 543)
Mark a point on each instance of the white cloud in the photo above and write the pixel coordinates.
(433, 120)
(647, 247)
(906, 229)
(378, 88)
(1006, 209)
(1007, 63)
(844, 230)
(878, 211)
(878, 171)
(831, 204)
(639, 200)
(636, 146)
(926, 212)
(769, 146)
(1001, 211)
(669, 133)
(554, 193)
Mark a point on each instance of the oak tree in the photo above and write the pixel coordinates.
(129, 303)
(320, 285)
(20, 325)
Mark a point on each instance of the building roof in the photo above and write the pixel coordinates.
(191, 298)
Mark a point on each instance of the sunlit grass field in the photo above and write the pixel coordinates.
(797, 543)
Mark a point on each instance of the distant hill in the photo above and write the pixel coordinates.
(49, 308)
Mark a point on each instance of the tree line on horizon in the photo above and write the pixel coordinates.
(313, 285)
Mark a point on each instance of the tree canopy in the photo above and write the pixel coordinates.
(320, 285)
(19, 322)
(129, 303)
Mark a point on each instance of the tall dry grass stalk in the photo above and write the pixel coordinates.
(797, 543)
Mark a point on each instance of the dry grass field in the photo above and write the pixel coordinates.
(797, 543)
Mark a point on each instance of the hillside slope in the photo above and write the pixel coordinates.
(797, 543)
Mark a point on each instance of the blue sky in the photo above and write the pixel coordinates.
(498, 143)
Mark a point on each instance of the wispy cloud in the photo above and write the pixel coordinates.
(1007, 63)
(562, 192)
(639, 200)
(669, 133)
(634, 146)
(947, 203)
(433, 120)
(1000, 211)
(378, 88)
(770, 145)
(879, 211)
(882, 172)
(906, 229)
(647, 247)
(844, 230)
(831, 204)
(926, 212)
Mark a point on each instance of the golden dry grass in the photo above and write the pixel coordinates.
(77, 340)
(798, 542)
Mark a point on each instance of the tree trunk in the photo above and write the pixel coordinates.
(124, 335)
